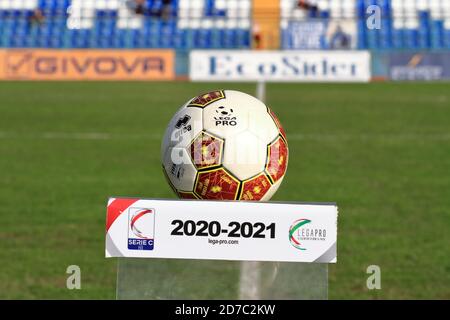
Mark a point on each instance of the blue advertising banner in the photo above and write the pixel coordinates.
(319, 35)
(419, 66)
(305, 35)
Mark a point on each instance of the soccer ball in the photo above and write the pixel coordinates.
(224, 145)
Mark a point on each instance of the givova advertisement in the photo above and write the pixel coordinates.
(41, 64)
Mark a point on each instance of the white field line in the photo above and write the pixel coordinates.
(394, 137)
(78, 136)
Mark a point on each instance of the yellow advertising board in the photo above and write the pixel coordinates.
(43, 64)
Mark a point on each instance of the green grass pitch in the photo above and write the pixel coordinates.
(380, 150)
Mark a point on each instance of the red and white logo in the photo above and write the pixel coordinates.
(138, 219)
(141, 228)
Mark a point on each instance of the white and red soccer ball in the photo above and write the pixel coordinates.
(224, 145)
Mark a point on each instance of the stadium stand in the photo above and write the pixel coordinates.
(117, 24)
(405, 24)
(185, 24)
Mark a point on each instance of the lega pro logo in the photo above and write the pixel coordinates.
(303, 231)
(225, 117)
(141, 229)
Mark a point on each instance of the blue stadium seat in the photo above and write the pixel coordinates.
(324, 14)
(411, 38)
(397, 38)
(119, 40)
(362, 36)
(360, 8)
(181, 39)
(386, 8)
(386, 34)
(212, 11)
(79, 38)
(437, 34)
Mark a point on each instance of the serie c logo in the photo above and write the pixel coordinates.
(134, 222)
(294, 236)
(141, 229)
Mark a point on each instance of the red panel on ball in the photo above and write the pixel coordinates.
(255, 188)
(206, 99)
(278, 123)
(277, 159)
(216, 184)
(206, 151)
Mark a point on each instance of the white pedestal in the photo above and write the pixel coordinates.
(216, 279)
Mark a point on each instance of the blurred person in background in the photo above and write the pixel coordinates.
(340, 39)
(140, 7)
(312, 8)
(257, 36)
(166, 9)
(137, 6)
(37, 18)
